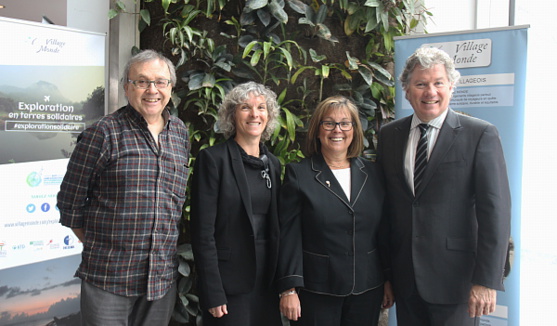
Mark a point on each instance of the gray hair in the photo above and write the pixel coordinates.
(238, 95)
(146, 56)
(426, 57)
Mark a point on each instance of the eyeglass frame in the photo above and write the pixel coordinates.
(149, 82)
(339, 124)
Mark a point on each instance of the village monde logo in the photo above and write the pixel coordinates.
(46, 45)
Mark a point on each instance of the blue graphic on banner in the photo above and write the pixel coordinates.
(492, 64)
(52, 80)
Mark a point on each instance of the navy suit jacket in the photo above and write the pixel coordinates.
(222, 224)
(455, 231)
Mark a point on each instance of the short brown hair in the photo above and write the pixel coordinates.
(313, 145)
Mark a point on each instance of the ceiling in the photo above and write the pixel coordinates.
(55, 11)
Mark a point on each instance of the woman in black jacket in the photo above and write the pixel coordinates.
(330, 216)
(234, 213)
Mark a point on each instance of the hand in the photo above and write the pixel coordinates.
(388, 296)
(482, 301)
(219, 311)
(290, 306)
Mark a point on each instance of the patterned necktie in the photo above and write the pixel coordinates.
(421, 156)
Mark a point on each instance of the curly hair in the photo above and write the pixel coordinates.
(238, 95)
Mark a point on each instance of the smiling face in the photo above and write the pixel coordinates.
(336, 141)
(251, 117)
(149, 102)
(429, 91)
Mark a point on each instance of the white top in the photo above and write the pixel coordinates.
(343, 177)
(414, 136)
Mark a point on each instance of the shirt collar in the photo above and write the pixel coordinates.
(141, 120)
(435, 123)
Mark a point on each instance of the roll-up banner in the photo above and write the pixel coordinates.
(52, 82)
(492, 63)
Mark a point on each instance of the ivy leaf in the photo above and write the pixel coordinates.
(112, 13)
(371, 23)
(315, 57)
(352, 62)
(255, 57)
(290, 124)
(120, 6)
(278, 11)
(223, 65)
(209, 81)
(165, 4)
(247, 18)
(267, 47)
(196, 81)
(288, 57)
(264, 17)
(324, 32)
(249, 47)
(298, 6)
(380, 69)
(366, 74)
(298, 72)
(321, 14)
(372, 3)
(325, 71)
(184, 268)
(256, 4)
(304, 20)
(146, 16)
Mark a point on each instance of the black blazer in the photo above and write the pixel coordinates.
(454, 232)
(329, 245)
(221, 224)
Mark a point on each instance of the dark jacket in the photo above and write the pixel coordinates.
(330, 245)
(454, 232)
(221, 224)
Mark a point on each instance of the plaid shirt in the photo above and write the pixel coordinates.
(128, 195)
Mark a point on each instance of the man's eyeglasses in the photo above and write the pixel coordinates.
(331, 125)
(144, 84)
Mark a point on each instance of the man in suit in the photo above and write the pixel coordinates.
(449, 218)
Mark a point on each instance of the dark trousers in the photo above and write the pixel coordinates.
(353, 310)
(102, 308)
(252, 309)
(414, 311)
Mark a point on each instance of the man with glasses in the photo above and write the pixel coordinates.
(122, 195)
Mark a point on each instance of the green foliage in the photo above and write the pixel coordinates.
(315, 18)
(187, 309)
(304, 50)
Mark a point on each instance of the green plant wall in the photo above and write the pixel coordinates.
(304, 50)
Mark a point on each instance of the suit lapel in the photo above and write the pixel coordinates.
(402, 131)
(447, 136)
(240, 176)
(358, 178)
(327, 179)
